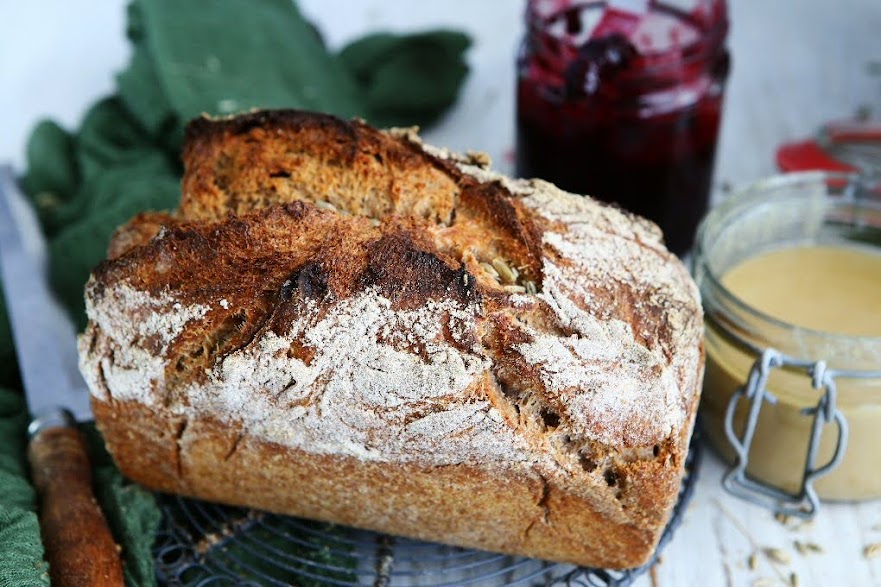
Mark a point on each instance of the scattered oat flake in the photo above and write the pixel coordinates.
(793, 580)
(777, 555)
(763, 582)
(782, 518)
(872, 550)
(752, 562)
(805, 548)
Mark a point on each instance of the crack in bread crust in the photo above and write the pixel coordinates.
(339, 290)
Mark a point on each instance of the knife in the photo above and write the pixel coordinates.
(79, 546)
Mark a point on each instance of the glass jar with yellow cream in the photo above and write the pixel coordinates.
(790, 276)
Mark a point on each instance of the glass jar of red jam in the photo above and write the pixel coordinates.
(625, 105)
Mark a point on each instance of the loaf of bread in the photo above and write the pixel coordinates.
(348, 325)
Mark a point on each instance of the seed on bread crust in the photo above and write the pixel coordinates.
(491, 271)
(504, 270)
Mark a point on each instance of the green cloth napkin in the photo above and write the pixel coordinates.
(403, 86)
(216, 57)
(21, 552)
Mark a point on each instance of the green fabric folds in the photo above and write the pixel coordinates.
(217, 57)
(21, 552)
(408, 79)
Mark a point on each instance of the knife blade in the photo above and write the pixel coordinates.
(44, 334)
(79, 546)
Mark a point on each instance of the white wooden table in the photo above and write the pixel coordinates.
(796, 65)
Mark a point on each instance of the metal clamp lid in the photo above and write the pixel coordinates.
(805, 503)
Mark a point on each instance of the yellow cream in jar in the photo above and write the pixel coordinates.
(828, 288)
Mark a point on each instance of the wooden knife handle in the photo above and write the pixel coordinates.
(79, 546)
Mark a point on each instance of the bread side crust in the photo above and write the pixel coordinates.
(516, 513)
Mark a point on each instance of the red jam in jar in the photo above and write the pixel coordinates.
(625, 106)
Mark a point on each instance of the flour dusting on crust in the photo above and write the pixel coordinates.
(616, 390)
(131, 362)
(365, 394)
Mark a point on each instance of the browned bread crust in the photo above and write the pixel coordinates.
(346, 324)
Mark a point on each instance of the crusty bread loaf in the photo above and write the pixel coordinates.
(348, 325)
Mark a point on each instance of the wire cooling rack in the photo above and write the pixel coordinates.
(204, 544)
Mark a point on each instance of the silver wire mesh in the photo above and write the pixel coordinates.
(204, 544)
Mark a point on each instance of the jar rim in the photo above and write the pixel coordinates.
(742, 200)
(702, 49)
